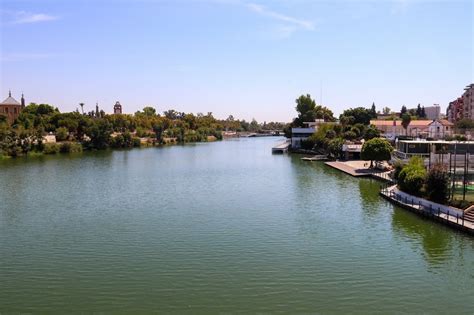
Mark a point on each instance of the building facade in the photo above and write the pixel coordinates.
(11, 108)
(433, 112)
(117, 108)
(455, 110)
(392, 129)
(468, 101)
(440, 129)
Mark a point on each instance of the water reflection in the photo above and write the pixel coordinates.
(436, 241)
(369, 195)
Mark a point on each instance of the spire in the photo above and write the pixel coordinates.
(22, 100)
(9, 93)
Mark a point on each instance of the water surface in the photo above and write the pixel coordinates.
(217, 228)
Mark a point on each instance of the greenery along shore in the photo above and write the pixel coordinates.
(97, 130)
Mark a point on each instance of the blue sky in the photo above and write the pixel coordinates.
(250, 58)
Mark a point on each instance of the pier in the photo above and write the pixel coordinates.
(281, 147)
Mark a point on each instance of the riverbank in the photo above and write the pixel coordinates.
(449, 216)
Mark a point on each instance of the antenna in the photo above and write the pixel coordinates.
(321, 93)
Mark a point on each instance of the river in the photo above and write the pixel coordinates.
(217, 228)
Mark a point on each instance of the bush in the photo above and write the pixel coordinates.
(437, 183)
(136, 141)
(51, 148)
(61, 134)
(70, 147)
(397, 168)
(412, 177)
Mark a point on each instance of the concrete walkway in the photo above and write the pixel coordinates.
(354, 168)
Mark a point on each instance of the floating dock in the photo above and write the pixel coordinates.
(282, 147)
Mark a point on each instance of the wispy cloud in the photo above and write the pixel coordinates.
(25, 17)
(262, 10)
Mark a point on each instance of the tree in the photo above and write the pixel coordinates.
(305, 107)
(371, 132)
(149, 111)
(334, 147)
(361, 115)
(61, 134)
(423, 113)
(406, 119)
(403, 111)
(376, 149)
(373, 111)
(386, 110)
(418, 111)
(437, 184)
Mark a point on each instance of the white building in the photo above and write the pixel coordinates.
(298, 135)
(439, 129)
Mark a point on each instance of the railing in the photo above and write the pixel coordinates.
(416, 205)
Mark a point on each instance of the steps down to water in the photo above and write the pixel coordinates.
(469, 215)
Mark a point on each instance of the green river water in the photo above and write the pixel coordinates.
(222, 227)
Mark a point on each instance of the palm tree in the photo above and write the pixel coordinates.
(82, 107)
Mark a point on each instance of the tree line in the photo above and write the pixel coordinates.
(97, 130)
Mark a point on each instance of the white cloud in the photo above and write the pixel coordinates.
(24, 17)
(295, 22)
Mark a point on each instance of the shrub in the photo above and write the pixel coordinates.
(70, 147)
(397, 168)
(136, 141)
(51, 148)
(437, 182)
(412, 177)
(61, 134)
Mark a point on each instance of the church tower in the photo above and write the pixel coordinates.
(117, 108)
(22, 101)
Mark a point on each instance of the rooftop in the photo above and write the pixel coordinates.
(10, 100)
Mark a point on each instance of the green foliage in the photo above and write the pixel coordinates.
(397, 168)
(360, 115)
(437, 184)
(465, 123)
(51, 148)
(334, 147)
(70, 147)
(406, 119)
(371, 132)
(308, 111)
(412, 177)
(376, 149)
(61, 134)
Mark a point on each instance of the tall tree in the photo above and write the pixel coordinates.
(373, 111)
(423, 113)
(406, 119)
(418, 111)
(403, 110)
(305, 107)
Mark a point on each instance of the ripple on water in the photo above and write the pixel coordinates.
(219, 227)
